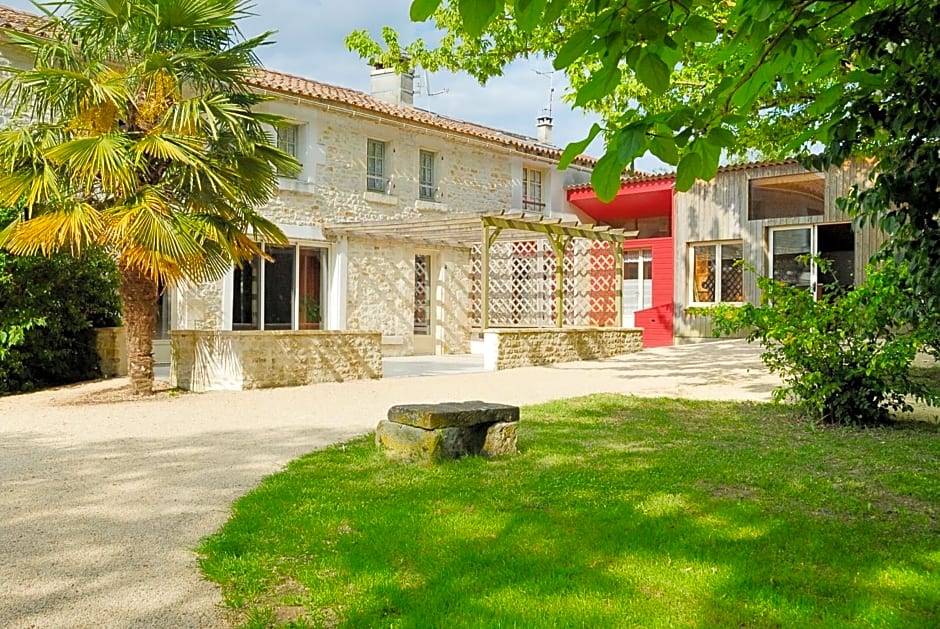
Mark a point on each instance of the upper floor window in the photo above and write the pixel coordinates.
(426, 187)
(532, 190)
(376, 180)
(287, 138)
(803, 194)
(715, 275)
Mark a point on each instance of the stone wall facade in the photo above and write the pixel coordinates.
(374, 288)
(510, 348)
(469, 175)
(227, 361)
(111, 344)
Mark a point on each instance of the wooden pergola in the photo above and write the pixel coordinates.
(464, 231)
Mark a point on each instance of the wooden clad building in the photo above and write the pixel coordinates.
(768, 214)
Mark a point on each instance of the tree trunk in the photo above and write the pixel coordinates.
(139, 296)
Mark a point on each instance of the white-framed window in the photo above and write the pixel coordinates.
(287, 292)
(287, 138)
(715, 276)
(376, 166)
(532, 190)
(427, 186)
(786, 196)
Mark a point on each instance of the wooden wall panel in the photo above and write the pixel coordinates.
(717, 211)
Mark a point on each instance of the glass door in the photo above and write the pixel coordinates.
(424, 305)
(637, 284)
(161, 334)
(310, 304)
(279, 289)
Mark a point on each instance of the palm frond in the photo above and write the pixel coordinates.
(71, 226)
(98, 163)
(150, 121)
(168, 147)
(148, 222)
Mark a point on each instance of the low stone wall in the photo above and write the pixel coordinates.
(508, 348)
(111, 344)
(232, 361)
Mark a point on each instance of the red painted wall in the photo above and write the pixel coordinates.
(657, 321)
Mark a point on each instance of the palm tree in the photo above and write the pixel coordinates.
(134, 131)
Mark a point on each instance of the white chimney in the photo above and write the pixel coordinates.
(389, 85)
(544, 125)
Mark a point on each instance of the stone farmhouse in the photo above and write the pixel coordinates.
(372, 159)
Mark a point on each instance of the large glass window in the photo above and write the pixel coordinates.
(376, 180)
(791, 248)
(287, 290)
(716, 276)
(426, 184)
(532, 190)
(787, 196)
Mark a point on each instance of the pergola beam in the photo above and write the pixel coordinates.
(464, 231)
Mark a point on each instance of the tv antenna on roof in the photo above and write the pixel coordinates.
(423, 87)
(551, 89)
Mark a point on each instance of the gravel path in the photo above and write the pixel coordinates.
(102, 500)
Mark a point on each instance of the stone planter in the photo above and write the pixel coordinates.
(233, 361)
(507, 348)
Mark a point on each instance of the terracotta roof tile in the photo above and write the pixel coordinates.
(644, 177)
(20, 20)
(300, 86)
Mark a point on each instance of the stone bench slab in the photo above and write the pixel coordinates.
(452, 414)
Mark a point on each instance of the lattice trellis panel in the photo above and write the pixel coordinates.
(522, 284)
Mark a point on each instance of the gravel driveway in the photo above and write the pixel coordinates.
(103, 499)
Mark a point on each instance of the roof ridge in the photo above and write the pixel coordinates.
(305, 86)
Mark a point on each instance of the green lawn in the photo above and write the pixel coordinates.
(617, 512)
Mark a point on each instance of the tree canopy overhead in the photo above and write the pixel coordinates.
(135, 132)
(684, 80)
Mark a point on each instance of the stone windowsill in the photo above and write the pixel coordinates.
(430, 206)
(289, 184)
(378, 197)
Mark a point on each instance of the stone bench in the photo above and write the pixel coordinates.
(434, 432)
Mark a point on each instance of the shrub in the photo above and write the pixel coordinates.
(48, 309)
(844, 358)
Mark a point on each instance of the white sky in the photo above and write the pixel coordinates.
(310, 42)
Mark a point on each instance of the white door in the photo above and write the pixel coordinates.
(637, 284)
